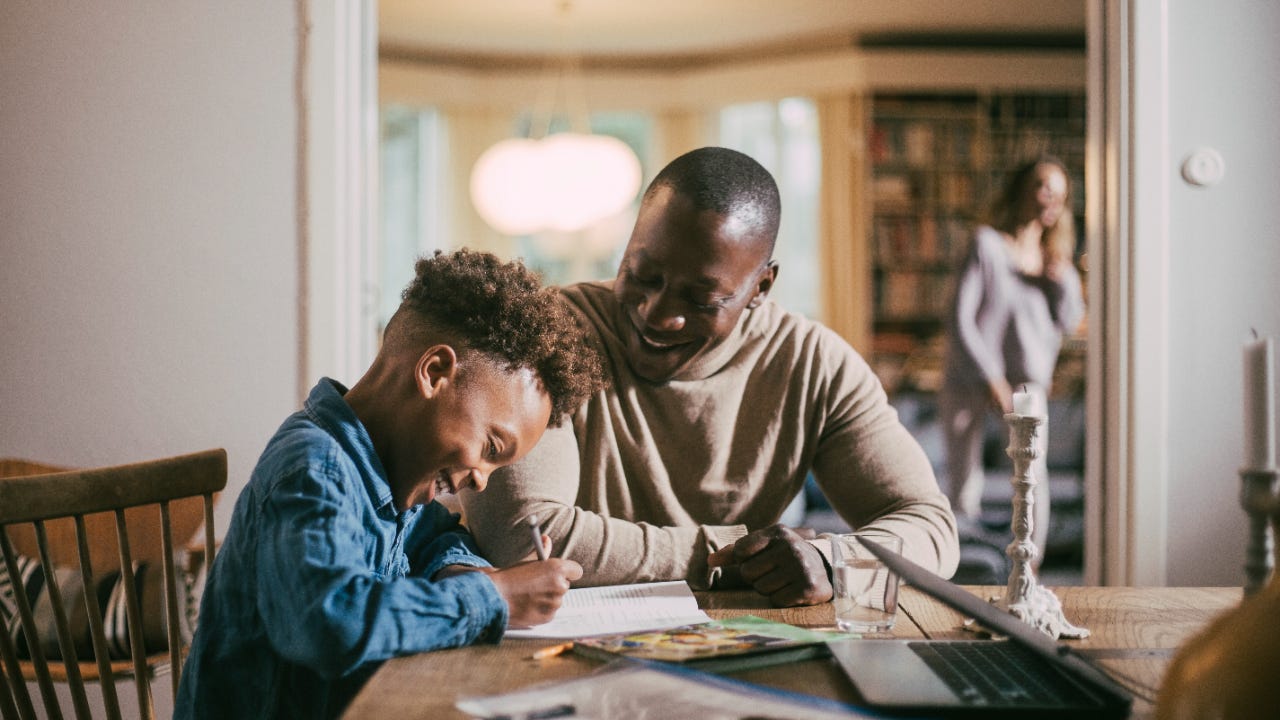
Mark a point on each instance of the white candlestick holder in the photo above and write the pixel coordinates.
(1259, 499)
(1024, 597)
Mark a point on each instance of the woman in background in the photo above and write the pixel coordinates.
(1017, 292)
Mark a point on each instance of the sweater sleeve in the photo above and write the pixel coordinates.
(875, 474)
(974, 277)
(1066, 299)
(611, 550)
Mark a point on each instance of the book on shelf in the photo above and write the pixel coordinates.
(918, 143)
(893, 190)
(955, 190)
(725, 645)
(913, 294)
(926, 248)
(920, 239)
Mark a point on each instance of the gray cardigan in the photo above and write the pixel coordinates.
(1004, 323)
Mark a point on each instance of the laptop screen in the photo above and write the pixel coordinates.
(995, 619)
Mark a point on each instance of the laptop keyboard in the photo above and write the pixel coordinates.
(995, 673)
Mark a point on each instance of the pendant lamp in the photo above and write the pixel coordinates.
(563, 181)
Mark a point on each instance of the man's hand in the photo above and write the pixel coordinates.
(779, 564)
(534, 590)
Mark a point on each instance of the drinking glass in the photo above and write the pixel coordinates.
(866, 592)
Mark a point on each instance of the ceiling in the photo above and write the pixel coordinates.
(685, 32)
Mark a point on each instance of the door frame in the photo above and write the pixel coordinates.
(1126, 475)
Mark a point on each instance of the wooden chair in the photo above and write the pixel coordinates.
(50, 511)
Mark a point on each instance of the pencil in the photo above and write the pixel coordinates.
(536, 531)
(551, 651)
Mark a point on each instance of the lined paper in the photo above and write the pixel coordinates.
(620, 609)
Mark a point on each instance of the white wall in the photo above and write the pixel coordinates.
(147, 230)
(1224, 268)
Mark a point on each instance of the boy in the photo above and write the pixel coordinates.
(336, 557)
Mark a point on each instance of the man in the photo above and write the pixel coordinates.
(721, 404)
(337, 557)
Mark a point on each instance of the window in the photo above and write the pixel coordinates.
(419, 202)
(414, 209)
(783, 137)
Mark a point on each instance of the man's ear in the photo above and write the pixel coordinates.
(437, 366)
(768, 276)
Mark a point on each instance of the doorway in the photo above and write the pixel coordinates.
(1115, 362)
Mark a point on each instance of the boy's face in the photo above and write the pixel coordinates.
(467, 423)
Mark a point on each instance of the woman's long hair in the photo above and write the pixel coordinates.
(1059, 241)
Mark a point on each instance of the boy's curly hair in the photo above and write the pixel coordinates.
(502, 310)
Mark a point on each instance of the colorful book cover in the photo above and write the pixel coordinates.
(721, 645)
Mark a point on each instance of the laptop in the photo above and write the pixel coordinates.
(1041, 678)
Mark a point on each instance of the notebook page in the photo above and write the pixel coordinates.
(620, 609)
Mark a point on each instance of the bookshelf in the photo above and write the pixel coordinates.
(936, 161)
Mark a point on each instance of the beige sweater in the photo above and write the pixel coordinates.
(649, 479)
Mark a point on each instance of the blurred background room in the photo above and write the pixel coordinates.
(889, 127)
(208, 206)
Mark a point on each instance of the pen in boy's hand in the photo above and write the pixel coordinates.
(555, 711)
(537, 537)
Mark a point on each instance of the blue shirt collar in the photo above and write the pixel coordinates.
(327, 408)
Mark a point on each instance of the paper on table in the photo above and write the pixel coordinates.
(620, 609)
(651, 690)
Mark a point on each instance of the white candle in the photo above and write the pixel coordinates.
(1259, 406)
(1027, 401)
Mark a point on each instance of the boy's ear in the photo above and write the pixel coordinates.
(437, 367)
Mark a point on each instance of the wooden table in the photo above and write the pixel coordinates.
(1135, 632)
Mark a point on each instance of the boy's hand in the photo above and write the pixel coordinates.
(534, 590)
(779, 564)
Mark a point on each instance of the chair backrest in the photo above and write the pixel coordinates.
(35, 503)
(187, 515)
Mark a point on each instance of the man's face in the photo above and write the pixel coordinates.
(684, 280)
(481, 418)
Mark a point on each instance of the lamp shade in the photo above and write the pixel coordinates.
(564, 182)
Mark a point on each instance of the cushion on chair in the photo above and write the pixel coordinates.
(983, 560)
(149, 581)
(981, 563)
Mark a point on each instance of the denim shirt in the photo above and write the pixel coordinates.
(319, 578)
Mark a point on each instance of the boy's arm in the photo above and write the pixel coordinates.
(325, 608)
(439, 540)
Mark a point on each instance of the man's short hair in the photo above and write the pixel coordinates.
(502, 311)
(727, 182)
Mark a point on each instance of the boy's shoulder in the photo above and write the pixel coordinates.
(301, 449)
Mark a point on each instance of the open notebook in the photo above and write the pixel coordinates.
(620, 609)
(1026, 675)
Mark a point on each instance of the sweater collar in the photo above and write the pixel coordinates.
(596, 301)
